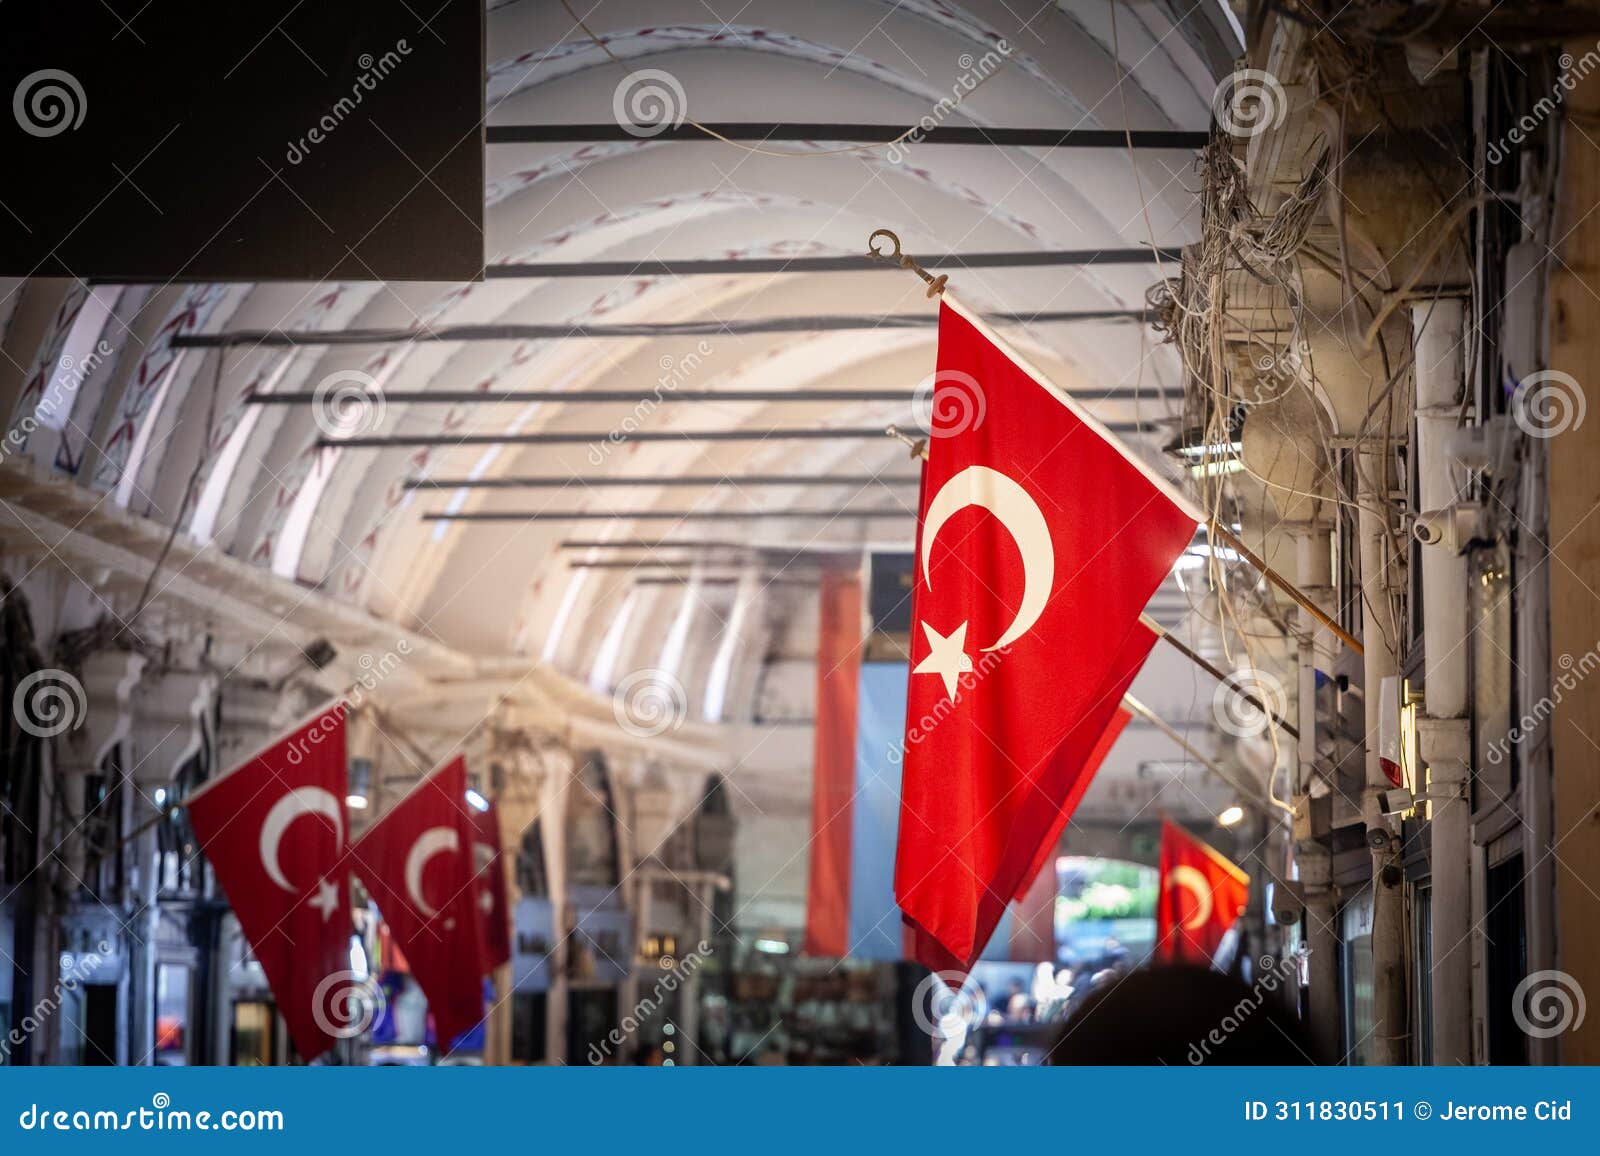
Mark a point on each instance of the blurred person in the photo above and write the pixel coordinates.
(1018, 1005)
(1178, 1016)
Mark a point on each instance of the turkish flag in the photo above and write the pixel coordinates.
(1039, 543)
(1201, 896)
(417, 863)
(274, 831)
(491, 884)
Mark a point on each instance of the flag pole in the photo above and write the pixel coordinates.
(1217, 673)
(1252, 794)
(1228, 538)
(1214, 531)
(919, 449)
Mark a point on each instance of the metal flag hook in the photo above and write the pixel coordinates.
(904, 260)
(917, 446)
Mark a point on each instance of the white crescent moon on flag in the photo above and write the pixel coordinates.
(1194, 882)
(1005, 499)
(428, 844)
(296, 802)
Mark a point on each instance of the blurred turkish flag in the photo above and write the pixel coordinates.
(491, 880)
(417, 864)
(1201, 896)
(274, 831)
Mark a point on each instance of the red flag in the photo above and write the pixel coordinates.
(1039, 543)
(1075, 762)
(1201, 896)
(833, 765)
(491, 881)
(417, 863)
(274, 831)
(1091, 764)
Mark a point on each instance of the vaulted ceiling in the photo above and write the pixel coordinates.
(340, 520)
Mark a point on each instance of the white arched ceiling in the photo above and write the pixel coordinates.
(342, 521)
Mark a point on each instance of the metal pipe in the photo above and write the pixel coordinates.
(867, 135)
(710, 328)
(602, 437)
(751, 481)
(716, 580)
(702, 266)
(664, 395)
(1380, 633)
(1444, 734)
(660, 515)
(648, 563)
(1324, 1005)
(824, 549)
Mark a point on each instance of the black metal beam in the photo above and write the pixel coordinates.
(741, 481)
(881, 135)
(601, 437)
(640, 563)
(681, 563)
(704, 266)
(713, 328)
(717, 580)
(770, 553)
(787, 515)
(691, 544)
(664, 396)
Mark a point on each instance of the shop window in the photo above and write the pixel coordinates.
(532, 878)
(714, 828)
(179, 868)
(19, 748)
(1422, 994)
(1357, 978)
(591, 1016)
(1505, 941)
(102, 829)
(89, 1038)
(1492, 643)
(172, 1014)
(254, 1035)
(592, 828)
(529, 1011)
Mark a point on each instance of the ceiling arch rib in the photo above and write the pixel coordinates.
(509, 78)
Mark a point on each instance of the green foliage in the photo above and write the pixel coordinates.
(1112, 890)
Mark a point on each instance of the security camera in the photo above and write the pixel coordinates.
(1434, 528)
(1288, 902)
(1451, 528)
(1395, 802)
(1377, 838)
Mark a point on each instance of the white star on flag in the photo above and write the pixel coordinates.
(327, 900)
(947, 657)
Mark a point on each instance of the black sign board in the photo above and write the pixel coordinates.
(157, 140)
